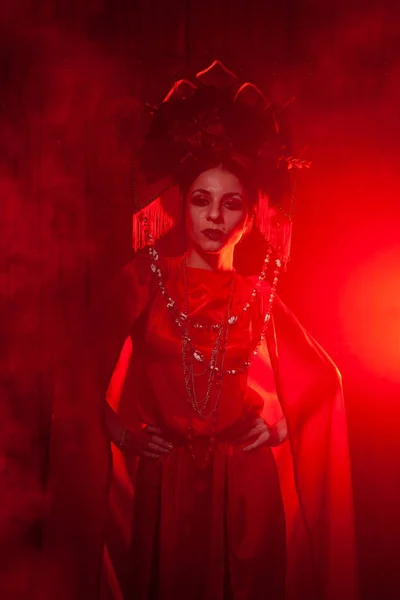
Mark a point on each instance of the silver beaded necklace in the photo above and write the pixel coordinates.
(217, 358)
(182, 319)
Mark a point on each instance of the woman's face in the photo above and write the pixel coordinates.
(217, 211)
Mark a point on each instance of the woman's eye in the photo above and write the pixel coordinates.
(199, 200)
(233, 204)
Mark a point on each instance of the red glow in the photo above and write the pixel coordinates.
(371, 314)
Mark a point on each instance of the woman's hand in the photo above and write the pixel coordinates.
(262, 435)
(146, 442)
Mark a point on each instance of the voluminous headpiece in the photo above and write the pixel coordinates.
(214, 120)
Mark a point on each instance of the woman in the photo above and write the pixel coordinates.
(221, 373)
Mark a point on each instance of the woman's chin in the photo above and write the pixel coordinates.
(212, 247)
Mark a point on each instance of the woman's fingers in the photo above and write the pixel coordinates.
(150, 454)
(245, 437)
(155, 445)
(260, 441)
(152, 429)
(156, 439)
(157, 448)
(153, 442)
(259, 426)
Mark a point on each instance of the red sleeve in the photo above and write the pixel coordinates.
(314, 464)
(318, 496)
(114, 314)
(79, 453)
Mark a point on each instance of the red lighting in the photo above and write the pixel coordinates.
(370, 314)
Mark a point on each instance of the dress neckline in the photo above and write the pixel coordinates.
(225, 273)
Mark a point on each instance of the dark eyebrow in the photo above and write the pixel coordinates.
(231, 194)
(227, 195)
(200, 191)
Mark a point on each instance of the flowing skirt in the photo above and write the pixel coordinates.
(212, 531)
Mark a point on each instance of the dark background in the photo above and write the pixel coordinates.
(73, 76)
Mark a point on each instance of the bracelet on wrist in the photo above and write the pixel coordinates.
(122, 440)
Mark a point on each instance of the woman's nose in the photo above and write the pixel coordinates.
(214, 213)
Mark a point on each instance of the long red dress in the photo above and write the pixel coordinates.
(214, 532)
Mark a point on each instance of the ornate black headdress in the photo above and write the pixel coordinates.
(215, 120)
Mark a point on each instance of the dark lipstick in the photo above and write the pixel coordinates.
(213, 234)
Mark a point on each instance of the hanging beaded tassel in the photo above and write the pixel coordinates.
(276, 227)
(154, 219)
(280, 237)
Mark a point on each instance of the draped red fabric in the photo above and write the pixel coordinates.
(314, 467)
(210, 532)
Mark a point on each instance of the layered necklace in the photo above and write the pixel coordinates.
(207, 406)
(192, 357)
(183, 321)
